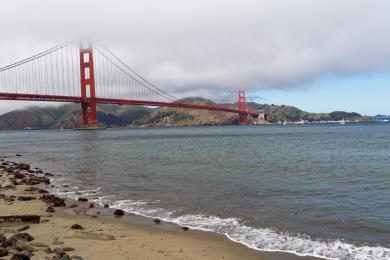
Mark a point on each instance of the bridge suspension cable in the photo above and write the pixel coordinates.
(73, 73)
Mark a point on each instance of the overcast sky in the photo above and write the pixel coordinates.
(308, 53)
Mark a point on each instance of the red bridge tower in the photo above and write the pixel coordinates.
(87, 83)
(241, 105)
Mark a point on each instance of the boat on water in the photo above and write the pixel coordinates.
(342, 122)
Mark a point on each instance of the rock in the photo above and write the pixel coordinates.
(53, 201)
(64, 257)
(59, 251)
(48, 250)
(91, 205)
(25, 198)
(6, 183)
(20, 257)
(3, 251)
(2, 238)
(48, 174)
(18, 237)
(76, 257)
(21, 245)
(21, 218)
(33, 189)
(83, 199)
(119, 212)
(93, 236)
(185, 228)
(23, 166)
(18, 155)
(157, 221)
(50, 209)
(19, 175)
(106, 206)
(72, 206)
(67, 249)
(38, 244)
(39, 179)
(76, 226)
(23, 228)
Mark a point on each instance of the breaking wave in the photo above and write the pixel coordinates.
(265, 239)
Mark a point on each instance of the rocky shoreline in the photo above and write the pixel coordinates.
(15, 241)
(35, 224)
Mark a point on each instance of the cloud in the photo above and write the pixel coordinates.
(204, 46)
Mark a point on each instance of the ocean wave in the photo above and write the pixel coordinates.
(265, 239)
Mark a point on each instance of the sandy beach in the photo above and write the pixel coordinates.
(82, 230)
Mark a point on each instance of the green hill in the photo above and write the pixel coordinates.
(68, 116)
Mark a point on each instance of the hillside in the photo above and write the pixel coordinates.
(68, 116)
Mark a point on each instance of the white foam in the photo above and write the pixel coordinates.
(265, 239)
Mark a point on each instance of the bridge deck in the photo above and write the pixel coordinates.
(74, 99)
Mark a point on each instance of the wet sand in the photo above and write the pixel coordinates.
(105, 236)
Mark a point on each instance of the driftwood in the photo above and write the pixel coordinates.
(21, 218)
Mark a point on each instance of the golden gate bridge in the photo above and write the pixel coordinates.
(91, 76)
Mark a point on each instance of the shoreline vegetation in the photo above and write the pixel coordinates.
(35, 224)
